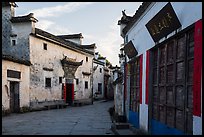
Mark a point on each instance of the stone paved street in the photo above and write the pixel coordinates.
(85, 120)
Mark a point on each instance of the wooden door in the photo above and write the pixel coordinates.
(14, 97)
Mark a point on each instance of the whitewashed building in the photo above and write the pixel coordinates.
(163, 67)
(98, 78)
(40, 67)
(102, 78)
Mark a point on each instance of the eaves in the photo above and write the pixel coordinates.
(63, 45)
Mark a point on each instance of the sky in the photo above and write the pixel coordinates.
(97, 21)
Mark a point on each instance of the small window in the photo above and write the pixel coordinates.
(13, 42)
(45, 46)
(86, 84)
(60, 80)
(87, 59)
(13, 74)
(77, 81)
(100, 70)
(48, 82)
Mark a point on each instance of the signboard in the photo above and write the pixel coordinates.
(163, 23)
(130, 50)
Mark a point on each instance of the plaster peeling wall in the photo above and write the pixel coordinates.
(23, 83)
(50, 58)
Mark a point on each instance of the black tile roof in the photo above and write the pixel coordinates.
(124, 19)
(137, 15)
(26, 18)
(86, 73)
(16, 60)
(70, 36)
(64, 43)
(91, 46)
(98, 62)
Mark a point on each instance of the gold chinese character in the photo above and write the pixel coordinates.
(156, 29)
(165, 23)
(160, 26)
(152, 31)
(169, 16)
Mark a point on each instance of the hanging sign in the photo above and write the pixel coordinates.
(163, 23)
(130, 50)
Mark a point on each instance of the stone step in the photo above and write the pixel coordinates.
(122, 125)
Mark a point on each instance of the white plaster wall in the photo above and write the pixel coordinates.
(81, 92)
(98, 78)
(23, 83)
(50, 58)
(22, 29)
(143, 116)
(187, 13)
(197, 125)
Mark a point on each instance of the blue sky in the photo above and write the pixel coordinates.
(97, 21)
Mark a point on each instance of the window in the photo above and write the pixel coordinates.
(86, 84)
(48, 82)
(135, 85)
(13, 39)
(60, 80)
(77, 81)
(45, 46)
(100, 88)
(13, 74)
(100, 70)
(87, 59)
(13, 42)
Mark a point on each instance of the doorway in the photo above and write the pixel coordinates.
(69, 93)
(14, 97)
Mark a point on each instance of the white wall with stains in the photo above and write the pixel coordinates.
(50, 58)
(23, 83)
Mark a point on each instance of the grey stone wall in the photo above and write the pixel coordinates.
(6, 29)
(21, 49)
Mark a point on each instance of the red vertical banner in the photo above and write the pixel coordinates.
(72, 92)
(64, 89)
(147, 77)
(197, 68)
(125, 80)
(141, 59)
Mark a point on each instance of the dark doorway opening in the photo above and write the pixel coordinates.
(14, 97)
(69, 93)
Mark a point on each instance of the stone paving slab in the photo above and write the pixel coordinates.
(85, 120)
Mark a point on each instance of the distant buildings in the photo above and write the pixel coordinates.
(161, 65)
(41, 69)
(102, 84)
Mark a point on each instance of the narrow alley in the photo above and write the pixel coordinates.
(85, 120)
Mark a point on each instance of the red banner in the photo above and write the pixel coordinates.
(147, 76)
(141, 59)
(197, 69)
(64, 92)
(72, 92)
